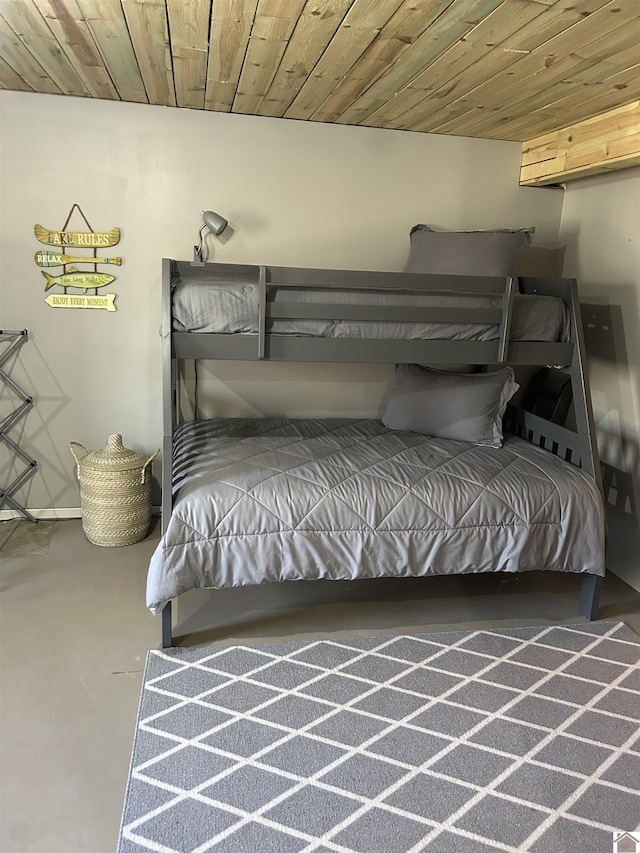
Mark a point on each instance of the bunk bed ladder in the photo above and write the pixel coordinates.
(505, 323)
(262, 311)
(15, 341)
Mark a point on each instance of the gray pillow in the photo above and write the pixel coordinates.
(496, 252)
(461, 406)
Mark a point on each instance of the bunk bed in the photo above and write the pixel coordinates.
(250, 500)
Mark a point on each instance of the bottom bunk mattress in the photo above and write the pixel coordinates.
(271, 499)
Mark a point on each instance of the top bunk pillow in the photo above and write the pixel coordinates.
(460, 406)
(493, 253)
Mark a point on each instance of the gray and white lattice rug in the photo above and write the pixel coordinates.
(515, 740)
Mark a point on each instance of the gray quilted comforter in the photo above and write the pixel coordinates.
(272, 499)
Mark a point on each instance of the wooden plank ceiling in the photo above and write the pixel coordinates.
(494, 69)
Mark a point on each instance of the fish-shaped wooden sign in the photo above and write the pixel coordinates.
(53, 259)
(78, 239)
(74, 278)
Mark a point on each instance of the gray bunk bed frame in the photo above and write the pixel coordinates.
(575, 446)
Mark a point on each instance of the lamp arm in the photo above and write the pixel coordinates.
(198, 251)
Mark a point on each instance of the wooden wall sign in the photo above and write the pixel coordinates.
(78, 239)
(54, 259)
(67, 301)
(74, 278)
(71, 276)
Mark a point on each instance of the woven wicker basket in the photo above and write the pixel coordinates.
(115, 493)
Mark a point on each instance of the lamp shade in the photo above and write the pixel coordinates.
(214, 221)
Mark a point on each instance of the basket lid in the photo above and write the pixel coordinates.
(114, 457)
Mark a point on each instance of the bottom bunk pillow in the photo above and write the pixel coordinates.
(461, 406)
(262, 500)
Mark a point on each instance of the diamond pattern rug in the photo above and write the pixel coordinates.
(523, 739)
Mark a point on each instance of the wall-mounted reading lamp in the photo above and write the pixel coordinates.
(216, 224)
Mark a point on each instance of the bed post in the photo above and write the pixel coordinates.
(589, 596)
(167, 626)
(169, 419)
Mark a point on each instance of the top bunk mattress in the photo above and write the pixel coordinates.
(226, 301)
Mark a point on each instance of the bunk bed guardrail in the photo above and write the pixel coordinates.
(276, 347)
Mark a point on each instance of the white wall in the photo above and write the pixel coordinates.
(601, 229)
(295, 193)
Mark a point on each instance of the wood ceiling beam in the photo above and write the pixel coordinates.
(358, 30)
(30, 28)
(108, 27)
(556, 60)
(316, 27)
(454, 96)
(606, 143)
(19, 68)
(149, 32)
(229, 31)
(273, 25)
(189, 30)
(67, 23)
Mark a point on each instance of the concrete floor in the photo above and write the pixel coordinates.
(75, 633)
